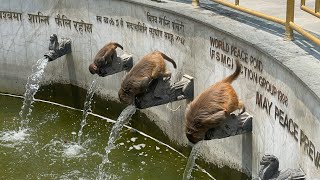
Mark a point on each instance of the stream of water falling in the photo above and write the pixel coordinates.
(114, 135)
(191, 161)
(32, 87)
(87, 106)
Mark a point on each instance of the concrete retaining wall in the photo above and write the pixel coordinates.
(279, 82)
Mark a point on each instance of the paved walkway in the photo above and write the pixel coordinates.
(275, 8)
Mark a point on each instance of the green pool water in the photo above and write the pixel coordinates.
(48, 150)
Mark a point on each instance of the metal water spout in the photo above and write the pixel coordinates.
(58, 49)
(163, 91)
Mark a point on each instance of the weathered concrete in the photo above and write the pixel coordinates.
(291, 70)
(273, 8)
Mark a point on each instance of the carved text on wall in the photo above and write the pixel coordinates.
(141, 27)
(10, 15)
(177, 26)
(290, 126)
(110, 21)
(38, 18)
(61, 20)
(252, 67)
(80, 26)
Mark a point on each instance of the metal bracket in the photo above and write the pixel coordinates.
(122, 63)
(58, 49)
(164, 91)
(232, 126)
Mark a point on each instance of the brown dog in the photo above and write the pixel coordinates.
(151, 66)
(211, 107)
(104, 56)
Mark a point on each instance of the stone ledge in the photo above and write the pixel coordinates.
(272, 45)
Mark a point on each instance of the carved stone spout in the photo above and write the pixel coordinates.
(122, 63)
(163, 91)
(269, 170)
(233, 125)
(58, 49)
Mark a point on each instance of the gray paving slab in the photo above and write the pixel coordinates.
(274, 8)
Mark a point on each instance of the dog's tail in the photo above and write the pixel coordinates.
(233, 76)
(169, 59)
(117, 45)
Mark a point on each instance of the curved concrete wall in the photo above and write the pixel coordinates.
(278, 84)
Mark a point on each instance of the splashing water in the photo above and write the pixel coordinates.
(59, 148)
(191, 161)
(114, 135)
(87, 106)
(72, 150)
(13, 138)
(32, 87)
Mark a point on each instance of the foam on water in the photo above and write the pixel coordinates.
(139, 146)
(72, 150)
(60, 148)
(13, 138)
(133, 139)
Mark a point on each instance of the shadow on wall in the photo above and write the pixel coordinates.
(246, 156)
(72, 77)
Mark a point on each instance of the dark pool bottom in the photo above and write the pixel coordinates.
(48, 151)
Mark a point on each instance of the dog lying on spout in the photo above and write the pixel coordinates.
(150, 67)
(104, 57)
(212, 107)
